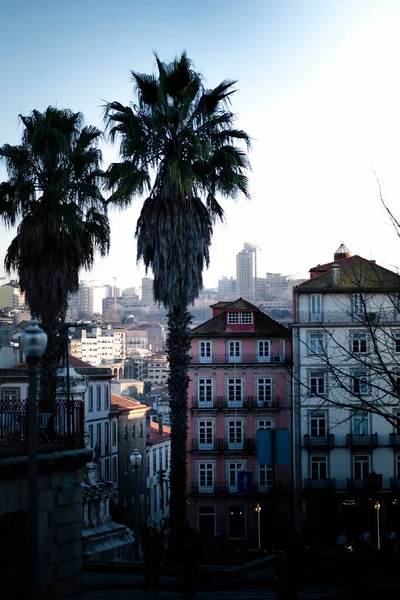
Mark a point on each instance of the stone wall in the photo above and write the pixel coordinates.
(59, 517)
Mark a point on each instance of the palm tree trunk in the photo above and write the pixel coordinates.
(178, 345)
(49, 365)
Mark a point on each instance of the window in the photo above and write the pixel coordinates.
(90, 398)
(98, 397)
(98, 439)
(106, 438)
(316, 343)
(205, 435)
(234, 351)
(233, 318)
(133, 431)
(106, 398)
(125, 432)
(235, 391)
(360, 424)
(398, 466)
(107, 470)
(264, 391)
(141, 430)
(397, 342)
(359, 343)
(318, 424)
(265, 478)
(246, 318)
(233, 469)
(91, 440)
(206, 477)
(264, 424)
(114, 433)
(206, 521)
(205, 352)
(357, 305)
(10, 394)
(360, 382)
(315, 307)
(126, 466)
(317, 384)
(319, 467)
(166, 458)
(205, 391)
(114, 468)
(154, 462)
(361, 466)
(263, 351)
(235, 435)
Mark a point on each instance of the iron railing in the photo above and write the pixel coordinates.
(348, 317)
(319, 441)
(59, 428)
(244, 403)
(361, 441)
(370, 482)
(395, 483)
(319, 484)
(394, 440)
(220, 488)
(272, 359)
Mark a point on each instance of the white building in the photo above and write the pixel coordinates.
(100, 345)
(346, 372)
(158, 449)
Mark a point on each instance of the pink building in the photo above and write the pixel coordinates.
(240, 381)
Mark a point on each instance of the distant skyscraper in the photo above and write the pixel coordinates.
(227, 288)
(82, 300)
(147, 291)
(246, 272)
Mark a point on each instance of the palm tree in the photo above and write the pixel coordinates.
(53, 193)
(179, 144)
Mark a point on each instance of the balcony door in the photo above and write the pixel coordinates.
(205, 392)
(234, 351)
(319, 467)
(205, 352)
(233, 469)
(234, 392)
(264, 391)
(205, 434)
(316, 308)
(206, 478)
(361, 466)
(235, 435)
(318, 424)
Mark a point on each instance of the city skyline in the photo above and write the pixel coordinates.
(315, 91)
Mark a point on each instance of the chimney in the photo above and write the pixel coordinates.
(148, 428)
(160, 424)
(335, 274)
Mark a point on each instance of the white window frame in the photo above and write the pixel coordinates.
(362, 459)
(315, 343)
(206, 477)
(397, 342)
(205, 351)
(207, 427)
(264, 424)
(322, 473)
(317, 383)
(357, 306)
(397, 466)
(360, 382)
(205, 397)
(264, 389)
(233, 317)
(235, 434)
(360, 424)
(318, 424)
(265, 478)
(232, 470)
(263, 351)
(234, 351)
(10, 394)
(359, 343)
(247, 318)
(234, 392)
(316, 308)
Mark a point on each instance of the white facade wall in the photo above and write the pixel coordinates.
(158, 457)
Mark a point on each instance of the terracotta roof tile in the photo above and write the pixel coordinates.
(125, 404)
(73, 361)
(264, 326)
(155, 436)
(239, 304)
(355, 274)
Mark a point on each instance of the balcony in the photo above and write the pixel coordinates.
(371, 482)
(333, 317)
(319, 484)
(362, 441)
(248, 446)
(244, 403)
(222, 359)
(225, 488)
(319, 441)
(59, 429)
(214, 446)
(394, 440)
(395, 483)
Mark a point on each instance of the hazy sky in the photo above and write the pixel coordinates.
(319, 92)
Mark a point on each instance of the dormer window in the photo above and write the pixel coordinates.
(237, 318)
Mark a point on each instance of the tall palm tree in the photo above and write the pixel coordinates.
(177, 143)
(53, 192)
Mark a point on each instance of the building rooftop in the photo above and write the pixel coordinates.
(126, 405)
(155, 435)
(239, 304)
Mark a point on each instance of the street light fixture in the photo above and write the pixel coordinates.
(258, 511)
(136, 462)
(33, 343)
(377, 508)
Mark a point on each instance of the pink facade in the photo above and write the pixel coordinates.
(240, 381)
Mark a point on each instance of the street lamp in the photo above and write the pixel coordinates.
(33, 342)
(377, 508)
(136, 462)
(258, 511)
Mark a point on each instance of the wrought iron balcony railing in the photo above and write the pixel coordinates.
(59, 428)
(395, 483)
(394, 440)
(390, 315)
(244, 403)
(361, 441)
(215, 359)
(319, 484)
(373, 481)
(221, 488)
(319, 441)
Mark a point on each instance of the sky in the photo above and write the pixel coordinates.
(318, 91)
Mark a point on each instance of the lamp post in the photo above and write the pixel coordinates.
(33, 343)
(136, 462)
(258, 511)
(377, 508)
